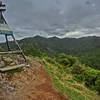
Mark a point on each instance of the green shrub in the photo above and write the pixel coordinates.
(64, 62)
(50, 60)
(91, 78)
(97, 83)
(78, 69)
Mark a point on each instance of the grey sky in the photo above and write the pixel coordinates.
(63, 18)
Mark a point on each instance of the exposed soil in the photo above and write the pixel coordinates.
(32, 83)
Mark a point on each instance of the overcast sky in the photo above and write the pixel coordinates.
(63, 18)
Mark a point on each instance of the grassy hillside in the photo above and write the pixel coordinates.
(71, 77)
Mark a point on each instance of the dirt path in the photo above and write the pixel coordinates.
(31, 84)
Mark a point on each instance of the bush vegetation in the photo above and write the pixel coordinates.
(72, 77)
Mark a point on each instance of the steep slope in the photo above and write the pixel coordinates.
(78, 81)
(31, 83)
(46, 76)
(56, 45)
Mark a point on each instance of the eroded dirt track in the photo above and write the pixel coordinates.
(31, 84)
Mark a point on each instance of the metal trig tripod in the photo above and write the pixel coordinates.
(7, 32)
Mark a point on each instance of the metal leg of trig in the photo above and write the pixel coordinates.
(8, 47)
(19, 47)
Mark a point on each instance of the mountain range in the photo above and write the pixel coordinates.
(86, 48)
(65, 45)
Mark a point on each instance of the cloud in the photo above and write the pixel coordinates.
(53, 17)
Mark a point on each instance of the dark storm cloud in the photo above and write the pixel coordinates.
(54, 16)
